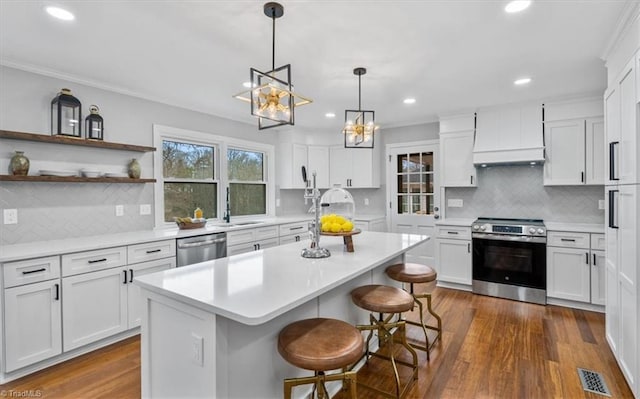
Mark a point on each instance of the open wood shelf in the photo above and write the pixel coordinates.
(75, 179)
(42, 138)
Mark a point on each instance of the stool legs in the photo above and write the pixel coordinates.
(427, 347)
(347, 377)
(384, 325)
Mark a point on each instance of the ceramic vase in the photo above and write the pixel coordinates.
(134, 169)
(19, 165)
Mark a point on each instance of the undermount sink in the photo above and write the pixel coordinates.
(241, 223)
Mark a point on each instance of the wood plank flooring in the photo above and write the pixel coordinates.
(491, 348)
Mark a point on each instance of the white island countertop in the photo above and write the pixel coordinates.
(256, 287)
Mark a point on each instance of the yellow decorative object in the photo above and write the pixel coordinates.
(347, 226)
(335, 228)
(197, 213)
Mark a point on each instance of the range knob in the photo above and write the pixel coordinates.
(532, 230)
(483, 227)
(540, 231)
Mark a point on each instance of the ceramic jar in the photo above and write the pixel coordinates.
(19, 165)
(134, 169)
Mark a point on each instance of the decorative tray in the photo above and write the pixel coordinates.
(193, 224)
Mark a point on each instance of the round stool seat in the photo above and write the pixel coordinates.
(320, 344)
(411, 273)
(382, 299)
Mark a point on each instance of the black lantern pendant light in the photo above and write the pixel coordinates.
(94, 124)
(66, 115)
(359, 126)
(271, 95)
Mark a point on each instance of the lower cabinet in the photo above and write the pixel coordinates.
(379, 224)
(253, 239)
(134, 300)
(454, 255)
(576, 267)
(252, 246)
(32, 323)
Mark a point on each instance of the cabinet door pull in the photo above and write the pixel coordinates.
(469, 248)
(125, 277)
(471, 179)
(594, 259)
(97, 260)
(612, 161)
(582, 177)
(131, 275)
(34, 271)
(613, 222)
(152, 251)
(568, 239)
(57, 297)
(258, 246)
(586, 258)
(297, 238)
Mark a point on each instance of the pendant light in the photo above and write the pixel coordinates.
(271, 94)
(360, 125)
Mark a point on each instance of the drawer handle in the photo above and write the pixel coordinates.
(57, 297)
(296, 228)
(34, 271)
(131, 275)
(125, 277)
(568, 239)
(152, 251)
(452, 232)
(594, 259)
(98, 260)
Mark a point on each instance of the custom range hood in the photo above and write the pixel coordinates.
(509, 135)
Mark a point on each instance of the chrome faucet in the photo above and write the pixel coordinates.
(227, 213)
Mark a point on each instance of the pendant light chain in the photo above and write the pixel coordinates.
(359, 91)
(273, 39)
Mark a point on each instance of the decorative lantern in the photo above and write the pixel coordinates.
(94, 124)
(66, 115)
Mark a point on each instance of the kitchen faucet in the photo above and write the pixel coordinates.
(227, 213)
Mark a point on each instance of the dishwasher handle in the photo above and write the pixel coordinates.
(202, 243)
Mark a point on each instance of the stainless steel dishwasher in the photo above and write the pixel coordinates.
(197, 249)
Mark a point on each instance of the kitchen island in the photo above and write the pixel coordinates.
(210, 329)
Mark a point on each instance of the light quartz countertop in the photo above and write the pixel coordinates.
(575, 227)
(56, 247)
(455, 222)
(255, 287)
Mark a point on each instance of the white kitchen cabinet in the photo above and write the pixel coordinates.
(453, 254)
(94, 306)
(32, 323)
(354, 168)
(134, 299)
(574, 152)
(456, 155)
(291, 158)
(377, 224)
(252, 239)
(90, 261)
(294, 232)
(151, 251)
(318, 161)
(576, 267)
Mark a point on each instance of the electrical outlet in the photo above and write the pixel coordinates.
(454, 203)
(601, 204)
(366, 202)
(10, 216)
(145, 209)
(119, 210)
(197, 349)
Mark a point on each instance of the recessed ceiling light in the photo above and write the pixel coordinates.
(522, 81)
(330, 115)
(60, 13)
(409, 101)
(517, 5)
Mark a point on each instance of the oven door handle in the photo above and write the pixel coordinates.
(500, 237)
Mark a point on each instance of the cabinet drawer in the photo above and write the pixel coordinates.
(262, 233)
(568, 239)
(294, 228)
(598, 242)
(31, 271)
(151, 251)
(455, 232)
(89, 261)
(240, 236)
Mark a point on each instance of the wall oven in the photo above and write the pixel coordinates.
(510, 259)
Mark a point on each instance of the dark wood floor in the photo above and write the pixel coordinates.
(490, 348)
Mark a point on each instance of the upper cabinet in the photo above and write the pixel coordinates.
(318, 162)
(457, 136)
(292, 157)
(355, 168)
(574, 139)
(509, 134)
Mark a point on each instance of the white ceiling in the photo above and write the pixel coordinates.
(450, 55)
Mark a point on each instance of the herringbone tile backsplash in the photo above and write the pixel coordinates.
(518, 192)
(51, 211)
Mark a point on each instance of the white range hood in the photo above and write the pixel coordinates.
(509, 135)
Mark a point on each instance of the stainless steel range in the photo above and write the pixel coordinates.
(510, 259)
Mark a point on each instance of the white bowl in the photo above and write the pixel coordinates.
(90, 173)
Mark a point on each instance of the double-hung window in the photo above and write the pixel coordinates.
(247, 182)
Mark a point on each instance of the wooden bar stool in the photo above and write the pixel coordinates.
(412, 273)
(321, 345)
(387, 300)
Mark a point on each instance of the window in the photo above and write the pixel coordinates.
(247, 183)
(415, 183)
(188, 173)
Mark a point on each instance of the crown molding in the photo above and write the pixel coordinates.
(628, 16)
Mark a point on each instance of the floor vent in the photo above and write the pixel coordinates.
(593, 382)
